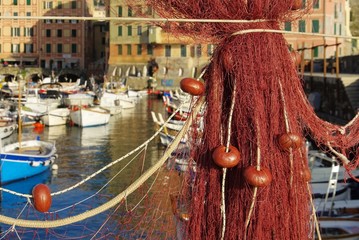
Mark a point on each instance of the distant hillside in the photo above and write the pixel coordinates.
(354, 25)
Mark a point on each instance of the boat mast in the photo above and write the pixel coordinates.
(19, 114)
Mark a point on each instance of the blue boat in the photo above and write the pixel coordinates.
(26, 159)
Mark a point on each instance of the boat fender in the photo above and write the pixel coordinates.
(34, 163)
(46, 163)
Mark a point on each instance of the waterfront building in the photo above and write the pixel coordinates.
(326, 17)
(50, 43)
(132, 44)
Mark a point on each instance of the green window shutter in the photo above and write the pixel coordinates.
(301, 26)
(149, 49)
(183, 51)
(119, 12)
(315, 26)
(316, 52)
(288, 26)
(119, 49)
(119, 31)
(316, 4)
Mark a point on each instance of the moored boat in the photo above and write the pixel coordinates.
(339, 228)
(88, 117)
(56, 117)
(7, 128)
(25, 159)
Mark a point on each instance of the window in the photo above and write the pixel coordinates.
(199, 50)
(48, 48)
(149, 49)
(73, 33)
(59, 48)
(183, 51)
(139, 49)
(288, 26)
(16, 14)
(73, 48)
(73, 4)
(129, 13)
(315, 26)
(335, 28)
(15, 48)
(59, 21)
(15, 31)
(167, 50)
(59, 32)
(48, 21)
(73, 21)
(119, 49)
(315, 52)
(301, 26)
(28, 14)
(48, 32)
(340, 29)
(119, 31)
(29, 48)
(129, 30)
(14, 2)
(47, 5)
(28, 2)
(210, 49)
(119, 11)
(139, 30)
(316, 4)
(129, 49)
(149, 10)
(28, 31)
(59, 5)
(335, 10)
(354, 43)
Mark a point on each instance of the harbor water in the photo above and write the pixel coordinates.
(82, 152)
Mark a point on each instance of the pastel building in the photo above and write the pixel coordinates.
(331, 17)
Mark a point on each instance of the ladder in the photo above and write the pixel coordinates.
(332, 186)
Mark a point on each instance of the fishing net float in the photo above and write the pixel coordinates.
(256, 105)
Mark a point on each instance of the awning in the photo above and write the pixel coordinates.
(28, 59)
(10, 60)
(24, 59)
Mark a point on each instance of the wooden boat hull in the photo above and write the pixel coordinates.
(89, 117)
(56, 117)
(33, 158)
(339, 228)
(7, 128)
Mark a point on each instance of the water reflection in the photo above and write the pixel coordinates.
(83, 151)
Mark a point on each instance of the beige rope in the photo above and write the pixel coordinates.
(115, 200)
(139, 148)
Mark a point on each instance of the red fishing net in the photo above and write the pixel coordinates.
(255, 70)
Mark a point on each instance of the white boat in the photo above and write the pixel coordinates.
(321, 167)
(339, 228)
(25, 159)
(339, 208)
(324, 190)
(55, 117)
(111, 102)
(79, 99)
(90, 116)
(7, 128)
